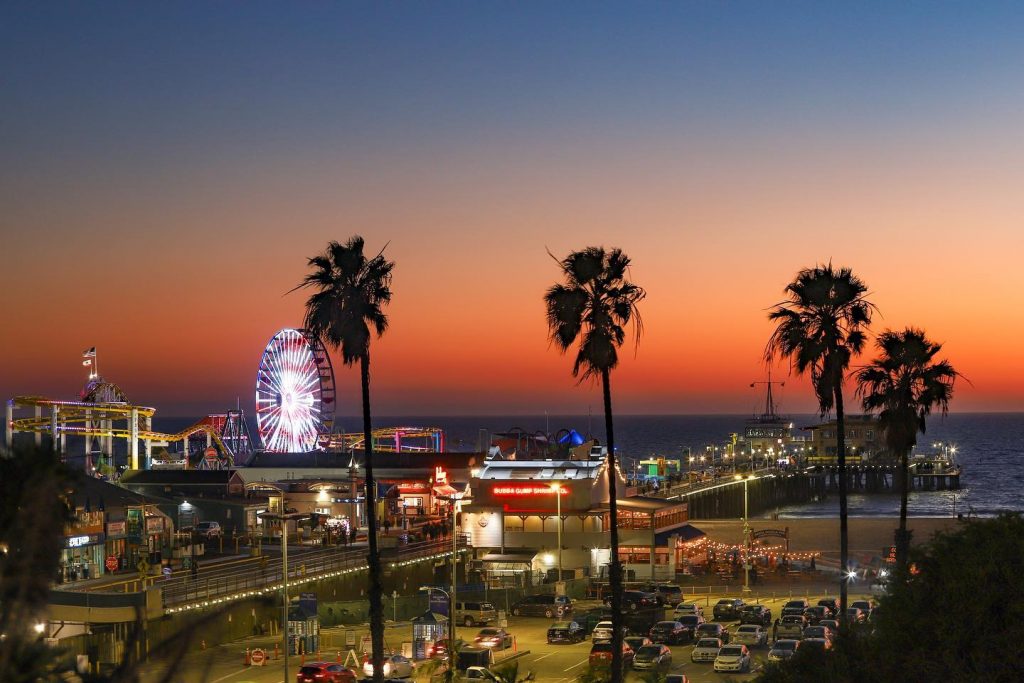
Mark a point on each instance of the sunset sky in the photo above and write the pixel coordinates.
(167, 169)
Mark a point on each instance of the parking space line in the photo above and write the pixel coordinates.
(578, 663)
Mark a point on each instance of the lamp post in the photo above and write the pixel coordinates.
(284, 518)
(557, 488)
(746, 536)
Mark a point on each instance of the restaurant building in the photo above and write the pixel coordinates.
(512, 521)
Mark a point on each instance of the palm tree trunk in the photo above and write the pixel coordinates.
(614, 568)
(373, 558)
(844, 533)
(902, 535)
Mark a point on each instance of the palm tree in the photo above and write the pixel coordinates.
(820, 327)
(594, 305)
(351, 292)
(904, 384)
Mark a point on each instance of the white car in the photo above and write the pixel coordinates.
(706, 650)
(395, 666)
(602, 632)
(733, 658)
(685, 608)
(783, 649)
(750, 635)
(479, 673)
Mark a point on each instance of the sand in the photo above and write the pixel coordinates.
(869, 536)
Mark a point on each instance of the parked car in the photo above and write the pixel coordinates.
(565, 632)
(687, 608)
(795, 607)
(479, 673)
(792, 626)
(733, 658)
(783, 649)
(325, 672)
(471, 655)
(208, 529)
(816, 632)
(670, 632)
(865, 606)
(677, 678)
(756, 614)
(712, 630)
(751, 635)
(670, 593)
(831, 624)
(831, 603)
(652, 657)
(637, 642)
(706, 650)
(690, 622)
(855, 615)
(496, 638)
(395, 666)
(634, 600)
(475, 613)
(602, 633)
(601, 654)
(817, 613)
(542, 605)
(818, 643)
(728, 608)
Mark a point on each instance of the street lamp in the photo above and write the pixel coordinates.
(557, 488)
(284, 518)
(746, 535)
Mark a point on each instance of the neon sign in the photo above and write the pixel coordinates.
(78, 541)
(519, 490)
(440, 476)
(412, 486)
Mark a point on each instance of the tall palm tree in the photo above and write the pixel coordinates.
(904, 384)
(347, 306)
(820, 327)
(594, 305)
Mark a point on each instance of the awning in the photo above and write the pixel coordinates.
(444, 490)
(686, 532)
(523, 556)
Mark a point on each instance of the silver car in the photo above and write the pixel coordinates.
(733, 658)
(750, 635)
(706, 650)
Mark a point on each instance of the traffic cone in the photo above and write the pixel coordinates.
(339, 656)
(248, 660)
(202, 644)
(515, 644)
(276, 654)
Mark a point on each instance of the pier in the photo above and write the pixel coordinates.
(886, 478)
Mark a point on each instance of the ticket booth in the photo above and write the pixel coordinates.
(303, 624)
(427, 629)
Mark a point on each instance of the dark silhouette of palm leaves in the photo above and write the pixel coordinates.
(593, 306)
(819, 328)
(344, 311)
(904, 384)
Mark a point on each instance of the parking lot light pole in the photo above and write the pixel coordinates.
(557, 488)
(746, 536)
(284, 519)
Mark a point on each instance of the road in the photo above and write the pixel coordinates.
(550, 663)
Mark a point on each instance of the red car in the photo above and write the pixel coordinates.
(325, 672)
(601, 654)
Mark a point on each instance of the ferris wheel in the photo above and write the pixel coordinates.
(294, 393)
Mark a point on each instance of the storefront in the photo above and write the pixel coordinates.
(83, 554)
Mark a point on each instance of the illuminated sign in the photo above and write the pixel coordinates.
(527, 490)
(79, 541)
(412, 486)
(440, 476)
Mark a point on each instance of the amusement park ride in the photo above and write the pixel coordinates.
(295, 406)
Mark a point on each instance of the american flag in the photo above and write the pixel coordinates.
(89, 353)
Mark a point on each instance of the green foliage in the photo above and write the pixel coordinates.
(509, 673)
(958, 617)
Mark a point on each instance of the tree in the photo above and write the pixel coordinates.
(820, 327)
(904, 384)
(964, 582)
(343, 312)
(594, 305)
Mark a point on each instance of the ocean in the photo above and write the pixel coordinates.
(990, 448)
